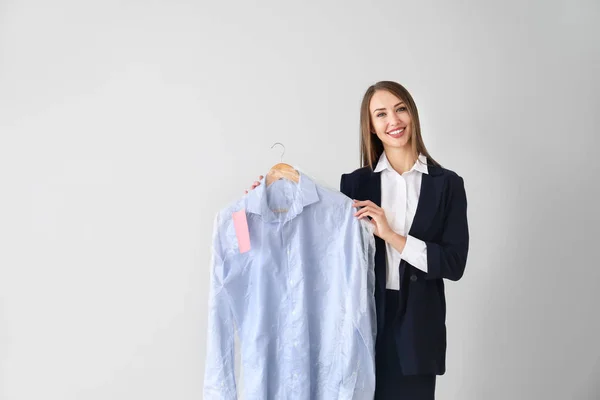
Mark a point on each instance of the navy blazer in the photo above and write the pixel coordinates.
(441, 221)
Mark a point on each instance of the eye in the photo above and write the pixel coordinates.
(401, 109)
(380, 114)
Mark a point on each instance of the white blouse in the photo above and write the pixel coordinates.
(399, 199)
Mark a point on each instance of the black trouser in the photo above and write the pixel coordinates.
(390, 383)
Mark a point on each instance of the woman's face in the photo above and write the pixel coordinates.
(390, 119)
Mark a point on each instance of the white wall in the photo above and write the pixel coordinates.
(125, 126)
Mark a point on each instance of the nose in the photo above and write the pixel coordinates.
(394, 120)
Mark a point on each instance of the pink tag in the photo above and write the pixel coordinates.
(241, 230)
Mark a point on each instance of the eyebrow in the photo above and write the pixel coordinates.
(377, 109)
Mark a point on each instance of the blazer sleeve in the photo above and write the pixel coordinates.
(346, 186)
(447, 258)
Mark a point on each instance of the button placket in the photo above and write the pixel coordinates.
(292, 280)
(401, 215)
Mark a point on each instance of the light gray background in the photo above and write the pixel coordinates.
(126, 125)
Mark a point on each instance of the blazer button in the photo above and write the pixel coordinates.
(413, 277)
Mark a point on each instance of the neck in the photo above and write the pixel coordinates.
(401, 159)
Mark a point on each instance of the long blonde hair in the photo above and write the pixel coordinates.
(371, 146)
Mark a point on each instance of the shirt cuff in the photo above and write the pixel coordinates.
(415, 253)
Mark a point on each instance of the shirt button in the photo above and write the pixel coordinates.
(288, 252)
(296, 343)
(413, 278)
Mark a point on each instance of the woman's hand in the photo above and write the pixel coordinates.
(379, 220)
(255, 184)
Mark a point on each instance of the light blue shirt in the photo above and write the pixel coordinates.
(301, 300)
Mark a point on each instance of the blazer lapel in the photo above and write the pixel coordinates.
(429, 198)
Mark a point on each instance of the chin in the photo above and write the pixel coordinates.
(397, 143)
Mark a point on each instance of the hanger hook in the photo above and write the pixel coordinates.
(277, 143)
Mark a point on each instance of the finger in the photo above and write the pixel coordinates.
(364, 203)
(374, 208)
(371, 209)
(362, 211)
(368, 213)
(374, 217)
(359, 204)
(368, 217)
(374, 223)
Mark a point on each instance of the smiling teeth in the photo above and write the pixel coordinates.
(396, 131)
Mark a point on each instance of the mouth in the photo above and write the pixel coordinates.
(396, 133)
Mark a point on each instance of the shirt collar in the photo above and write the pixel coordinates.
(305, 194)
(384, 164)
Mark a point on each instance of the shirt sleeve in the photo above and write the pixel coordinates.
(448, 257)
(415, 252)
(360, 326)
(219, 373)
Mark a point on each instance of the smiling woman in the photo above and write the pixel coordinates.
(418, 209)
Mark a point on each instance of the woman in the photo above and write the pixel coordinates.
(419, 212)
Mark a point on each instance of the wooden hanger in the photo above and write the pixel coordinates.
(282, 171)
